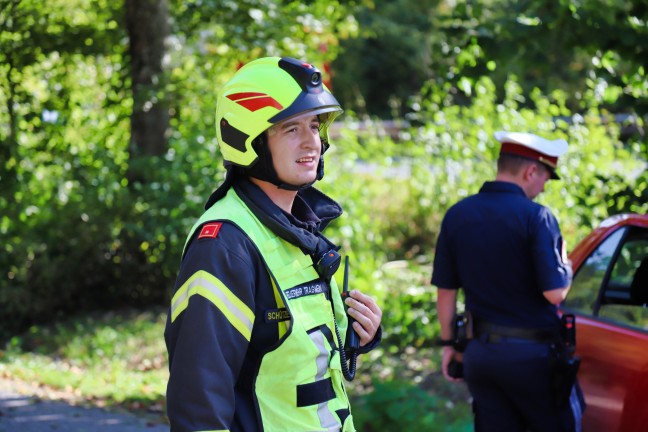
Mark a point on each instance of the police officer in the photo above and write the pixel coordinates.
(256, 328)
(507, 254)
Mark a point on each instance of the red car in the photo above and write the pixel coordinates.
(609, 297)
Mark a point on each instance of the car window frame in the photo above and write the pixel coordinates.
(606, 277)
(627, 230)
(608, 272)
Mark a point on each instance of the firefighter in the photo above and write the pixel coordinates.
(257, 325)
(507, 254)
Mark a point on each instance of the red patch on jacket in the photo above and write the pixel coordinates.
(210, 230)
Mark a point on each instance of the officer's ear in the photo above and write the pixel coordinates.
(529, 170)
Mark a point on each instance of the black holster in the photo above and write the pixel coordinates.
(564, 371)
(461, 334)
(461, 331)
(564, 363)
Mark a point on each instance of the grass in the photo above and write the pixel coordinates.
(110, 359)
(118, 359)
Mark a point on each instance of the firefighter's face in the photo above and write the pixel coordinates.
(295, 147)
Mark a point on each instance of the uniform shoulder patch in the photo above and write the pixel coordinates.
(210, 230)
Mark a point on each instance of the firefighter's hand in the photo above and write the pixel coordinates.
(367, 314)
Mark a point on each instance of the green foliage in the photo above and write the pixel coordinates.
(241, 31)
(76, 234)
(591, 50)
(409, 315)
(596, 167)
(399, 46)
(394, 405)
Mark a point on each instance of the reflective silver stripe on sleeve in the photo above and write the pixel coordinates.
(211, 288)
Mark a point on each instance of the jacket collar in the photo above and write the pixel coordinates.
(502, 187)
(312, 212)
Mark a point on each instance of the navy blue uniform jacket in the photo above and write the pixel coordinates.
(504, 250)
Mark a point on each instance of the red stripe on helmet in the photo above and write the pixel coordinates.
(244, 95)
(254, 101)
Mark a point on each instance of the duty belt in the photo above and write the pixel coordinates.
(500, 333)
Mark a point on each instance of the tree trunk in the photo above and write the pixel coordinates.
(9, 147)
(147, 22)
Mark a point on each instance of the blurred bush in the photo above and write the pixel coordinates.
(401, 405)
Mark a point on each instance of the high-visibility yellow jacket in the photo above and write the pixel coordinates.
(251, 331)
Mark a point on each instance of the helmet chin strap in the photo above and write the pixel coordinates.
(288, 186)
(263, 168)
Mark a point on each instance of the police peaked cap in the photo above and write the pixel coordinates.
(533, 147)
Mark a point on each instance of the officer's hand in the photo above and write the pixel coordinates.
(447, 355)
(367, 314)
